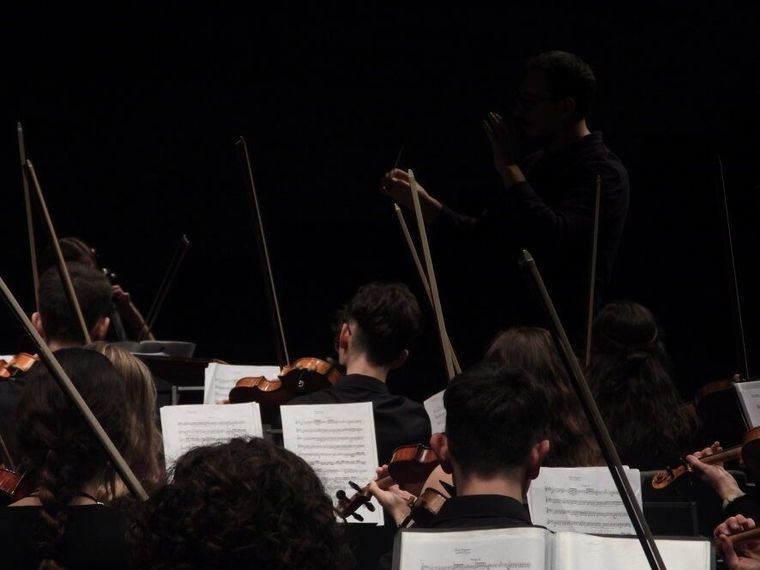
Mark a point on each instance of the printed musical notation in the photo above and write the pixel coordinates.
(338, 441)
(187, 427)
(581, 500)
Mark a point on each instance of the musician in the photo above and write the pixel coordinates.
(376, 329)
(62, 524)
(57, 324)
(494, 445)
(241, 504)
(144, 449)
(76, 250)
(547, 200)
(631, 381)
(532, 350)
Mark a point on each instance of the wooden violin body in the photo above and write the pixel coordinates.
(304, 376)
(21, 362)
(409, 468)
(748, 452)
(13, 486)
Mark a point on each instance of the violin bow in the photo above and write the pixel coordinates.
(68, 287)
(167, 282)
(602, 435)
(29, 216)
(592, 276)
(449, 361)
(420, 270)
(741, 343)
(266, 265)
(424, 280)
(68, 388)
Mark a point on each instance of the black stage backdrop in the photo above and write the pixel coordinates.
(131, 120)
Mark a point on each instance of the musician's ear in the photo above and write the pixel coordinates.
(100, 329)
(400, 359)
(37, 322)
(536, 458)
(440, 444)
(343, 336)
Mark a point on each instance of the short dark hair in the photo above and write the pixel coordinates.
(569, 76)
(242, 504)
(58, 316)
(388, 318)
(494, 416)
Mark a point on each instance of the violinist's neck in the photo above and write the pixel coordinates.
(54, 344)
(358, 364)
(497, 485)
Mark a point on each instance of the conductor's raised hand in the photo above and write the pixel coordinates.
(505, 145)
(396, 185)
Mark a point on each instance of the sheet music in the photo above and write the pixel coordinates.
(436, 412)
(491, 549)
(581, 499)
(186, 427)
(221, 378)
(749, 396)
(575, 551)
(338, 441)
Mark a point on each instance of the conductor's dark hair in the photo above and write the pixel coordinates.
(58, 316)
(242, 504)
(569, 76)
(494, 416)
(59, 450)
(388, 319)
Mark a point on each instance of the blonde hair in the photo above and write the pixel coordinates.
(144, 444)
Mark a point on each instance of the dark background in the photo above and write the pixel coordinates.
(131, 119)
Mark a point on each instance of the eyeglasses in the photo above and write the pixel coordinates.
(530, 101)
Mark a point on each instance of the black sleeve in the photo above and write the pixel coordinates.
(746, 505)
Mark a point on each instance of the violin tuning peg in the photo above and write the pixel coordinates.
(341, 495)
(354, 486)
(359, 517)
(370, 507)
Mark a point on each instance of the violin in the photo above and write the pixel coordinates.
(409, 468)
(13, 486)
(21, 362)
(425, 507)
(303, 376)
(748, 452)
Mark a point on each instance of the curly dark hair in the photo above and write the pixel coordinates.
(388, 318)
(242, 504)
(59, 450)
(532, 350)
(631, 381)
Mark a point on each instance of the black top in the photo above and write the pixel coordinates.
(552, 216)
(10, 396)
(398, 420)
(94, 538)
(474, 511)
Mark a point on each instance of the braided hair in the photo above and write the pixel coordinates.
(59, 450)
